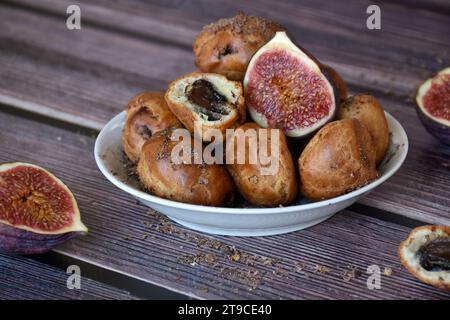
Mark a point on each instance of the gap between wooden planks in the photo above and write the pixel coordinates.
(127, 238)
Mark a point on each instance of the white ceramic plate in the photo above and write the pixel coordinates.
(239, 221)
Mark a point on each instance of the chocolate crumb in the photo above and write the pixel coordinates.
(387, 271)
(348, 275)
(321, 269)
(299, 266)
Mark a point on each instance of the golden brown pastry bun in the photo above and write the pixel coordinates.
(338, 81)
(369, 111)
(204, 101)
(202, 184)
(277, 188)
(227, 45)
(338, 159)
(147, 114)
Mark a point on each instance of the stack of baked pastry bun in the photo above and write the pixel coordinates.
(253, 76)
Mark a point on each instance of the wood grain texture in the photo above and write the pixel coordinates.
(392, 61)
(86, 77)
(127, 238)
(23, 278)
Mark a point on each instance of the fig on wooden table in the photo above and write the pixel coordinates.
(37, 210)
(433, 105)
(286, 88)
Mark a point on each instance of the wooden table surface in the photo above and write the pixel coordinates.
(59, 87)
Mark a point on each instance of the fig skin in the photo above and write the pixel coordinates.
(201, 184)
(18, 241)
(280, 107)
(17, 236)
(147, 113)
(30, 172)
(265, 190)
(339, 158)
(369, 111)
(437, 127)
(338, 81)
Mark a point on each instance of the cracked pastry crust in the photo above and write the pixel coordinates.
(147, 114)
(201, 184)
(206, 101)
(227, 45)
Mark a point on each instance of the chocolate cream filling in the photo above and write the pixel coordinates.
(209, 102)
(435, 255)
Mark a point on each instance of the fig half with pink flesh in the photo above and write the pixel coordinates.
(433, 105)
(37, 210)
(286, 88)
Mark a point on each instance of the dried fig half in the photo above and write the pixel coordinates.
(285, 88)
(433, 105)
(37, 211)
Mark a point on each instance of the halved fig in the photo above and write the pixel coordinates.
(433, 105)
(37, 211)
(285, 88)
(426, 254)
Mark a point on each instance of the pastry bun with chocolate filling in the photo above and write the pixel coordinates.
(426, 254)
(227, 45)
(204, 101)
(147, 114)
(202, 184)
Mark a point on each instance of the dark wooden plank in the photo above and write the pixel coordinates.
(127, 238)
(24, 278)
(80, 77)
(393, 60)
(440, 6)
(87, 77)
